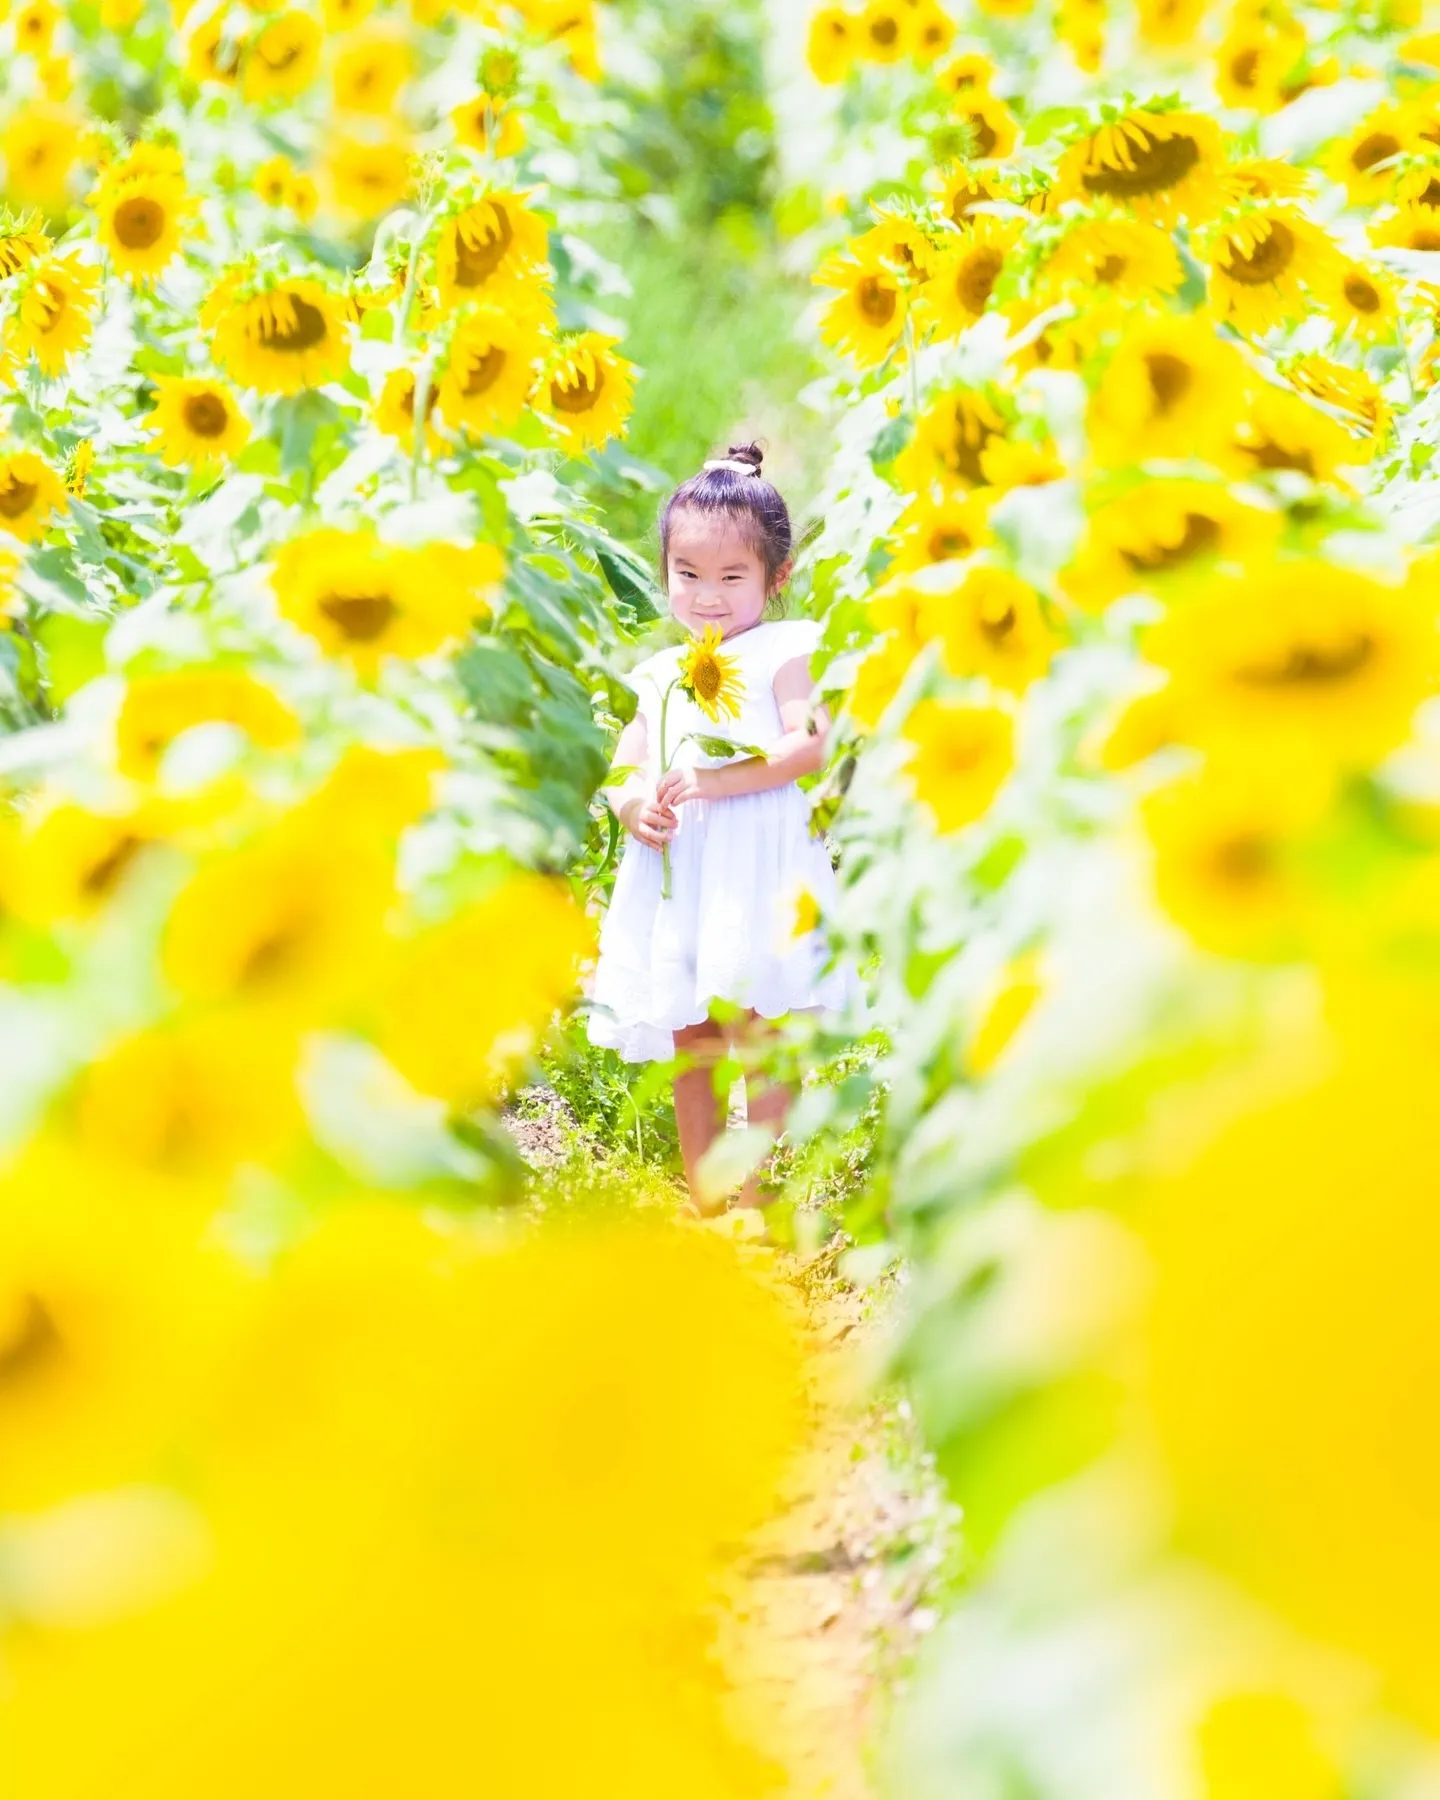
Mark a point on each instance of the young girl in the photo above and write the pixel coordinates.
(741, 857)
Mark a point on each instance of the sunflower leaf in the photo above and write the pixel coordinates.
(719, 746)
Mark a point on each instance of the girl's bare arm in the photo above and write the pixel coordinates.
(638, 810)
(801, 751)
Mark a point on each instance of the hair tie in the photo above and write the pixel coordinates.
(739, 467)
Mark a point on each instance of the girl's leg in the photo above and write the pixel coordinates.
(767, 1103)
(699, 1112)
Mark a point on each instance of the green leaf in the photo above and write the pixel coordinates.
(626, 583)
(378, 323)
(719, 746)
(74, 652)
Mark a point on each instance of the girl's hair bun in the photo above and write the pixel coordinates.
(747, 453)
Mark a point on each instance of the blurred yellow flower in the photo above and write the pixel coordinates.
(1264, 1745)
(1172, 389)
(283, 57)
(1279, 431)
(867, 318)
(53, 318)
(987, 121)
(395, 410)
(950, 436)
(1161, 533)
(1261, 264)
(217, 49)
(367, 176)
(272, 179)
(289, 337)
(964, 277)
(960, 757)
(490, 124)
(833, 44)
(989, 623)
(881, 31)
(940, 529)
(1114, 257)
(197, 422)
(1361, 299)
(585, 389)
(142, 216)
(489, 249)
(30, 492)
(40, 142)
(67, 862)
(1164, 166)
(489, 371)
(371, 67)
(158, 708)
(1009, 1006)
(1363, 161)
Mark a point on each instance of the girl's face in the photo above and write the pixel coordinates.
(715, 576)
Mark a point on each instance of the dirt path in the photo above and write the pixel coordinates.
(832, 1595)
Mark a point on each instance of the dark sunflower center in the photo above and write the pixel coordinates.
(361, 617)
(277, 954)
(139, 222)
(302, 330)
(966, 198)
(101, 877)
(1200, 536)
(1378, 147)
(1427, 237)
(876, 300)
(1361, 294)
(969, 440)
(278, 57)
(982, 134)
(978, 275)
(16, 496)
(707, 678)
(579, 398)
(1170, 378)
(1244, 860)
(1311, 665)
(1270, 455)
(1158, 164)
(49, 304)
(1245, 67)
(945, 543)
(884, 32)
(1110, 268)
(206, 415)
(30, 1340)
(407, 395)
(996, 623)
(1266, 260)
(1431, 195)
(481, 373)
(478, 257)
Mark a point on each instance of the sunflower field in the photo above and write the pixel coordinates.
(346, 350)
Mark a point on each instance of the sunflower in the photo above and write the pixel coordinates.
(1260, 264)
(34, 27)
(271, 181)
(959, 757)
(1170, 24)
(141, 219)
(283, 57)
(302, 197)
(1361, 299)
(962, 188)
(70, 862)
(157, 709)
(490, 125)
(366, 177)
(1163, 533)
(1353, 392)
(196, 422)
(989, 623)
(1255, 60)
(30, 491)
(363, 600)
(867, 318)
(935, 530)
(41, 146)
(585, 390)
(216, 50)
(1413, 227)
(1226, 863)
(963, 280)
(120, 15)
(968, 73)
(1363, 161)
(1299, 659)
(932, 32)
(988, 124)
(1170, 390)
(340, 15)
(489, 372)
(370, 69)
(711, 679)
(52, 319)
(490, 249)
(1278, 431)
(1264, 178)
(1081, 25)
(880, 32)
(289, 337)
(950, 437)
(22, 242)
(833, 46)
(395, 411)
(1417, 178)
(1114, 258)
(1163, 166)
(900, 244)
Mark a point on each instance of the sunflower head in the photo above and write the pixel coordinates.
(280, 339)
(585, 390)
(711, 679)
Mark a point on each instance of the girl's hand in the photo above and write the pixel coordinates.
(650, 821)
(677, 786)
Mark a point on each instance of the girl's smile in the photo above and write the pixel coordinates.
(715, 577)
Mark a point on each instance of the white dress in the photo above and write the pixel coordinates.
(738, 867)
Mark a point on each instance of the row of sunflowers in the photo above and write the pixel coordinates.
(310, 1464)
(1133, 612)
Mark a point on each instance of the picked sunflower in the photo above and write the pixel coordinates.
(1170, 390)
(711, 679)
(142, 215)
(585, 390)
(283, 57)
(363, 600)
(867, 318)
(1162, 166)
(1261, 263)
(196, 421)
(489, 249)
(963, 280)
(52, 318)
(960, 756)
(489, 371)
(285, 338)
(30, 491)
